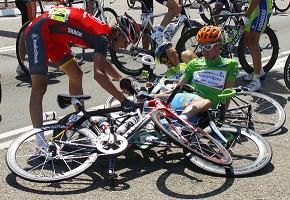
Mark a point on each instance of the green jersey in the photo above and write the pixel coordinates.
(175, 72)
(209, 76)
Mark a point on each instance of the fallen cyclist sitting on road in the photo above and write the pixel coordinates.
(47, 37)
(167, 54)
(209, 75)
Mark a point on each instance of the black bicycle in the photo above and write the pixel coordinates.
(128, 60)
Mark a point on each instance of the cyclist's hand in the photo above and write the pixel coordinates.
(128, 106)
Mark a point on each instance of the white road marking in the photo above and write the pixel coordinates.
(6, 49)
(6, 144)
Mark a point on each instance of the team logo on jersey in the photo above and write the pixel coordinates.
(74, 32)
(35, 38)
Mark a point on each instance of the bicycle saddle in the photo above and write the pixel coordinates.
(64, 100)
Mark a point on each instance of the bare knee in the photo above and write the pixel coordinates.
(204, 105)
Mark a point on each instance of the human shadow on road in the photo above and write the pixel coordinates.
(25, 81)
(9, 34)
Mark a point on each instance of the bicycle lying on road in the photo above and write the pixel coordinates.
(72, 149)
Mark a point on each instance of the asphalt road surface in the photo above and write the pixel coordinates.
(142, 175)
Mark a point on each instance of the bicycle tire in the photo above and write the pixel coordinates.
(287, 73)
(131, 3)
(110, 16)
(194, 140)
(281, 9)
(24, 64)
(267, 115)
(273, 57)
(207, 19)
(183, 44)
(256, 161)
(30, 166)
(120, 58)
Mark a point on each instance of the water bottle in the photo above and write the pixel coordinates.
(47, 116)
(168, 31)
(128, 124)
(104, 126)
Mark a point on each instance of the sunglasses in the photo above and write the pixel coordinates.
(207, 47)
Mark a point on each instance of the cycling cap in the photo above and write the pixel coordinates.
(208, 34)
(130, 27)
(160, 51)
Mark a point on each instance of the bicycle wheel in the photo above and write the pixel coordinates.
(109, 16)
(131, 3)
(269, 49)
(194, 140)
(204, 12)
(281, 5)
(21, 52)
(287, 73)
(188, 42)
(250, 152)
(265, 116)
(127, 61)
(51, 162)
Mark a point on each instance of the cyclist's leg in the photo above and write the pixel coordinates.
(258, 22)
(68, 64)
(191, 104)
(36, 43)
(173, 10)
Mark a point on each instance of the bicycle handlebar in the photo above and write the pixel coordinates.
(226, 94)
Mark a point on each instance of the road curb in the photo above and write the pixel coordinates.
(15, 11)
(9, 12)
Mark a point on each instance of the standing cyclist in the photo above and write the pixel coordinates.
(47, 37)
(255, 21)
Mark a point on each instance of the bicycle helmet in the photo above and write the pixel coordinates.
(160, 51)
(208, 34)
(128, 25)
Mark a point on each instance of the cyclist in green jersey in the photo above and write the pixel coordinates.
(255, 21)
(209, 75)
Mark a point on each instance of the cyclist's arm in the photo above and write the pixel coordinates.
(100, 65)
(168, 92)
(252, 7)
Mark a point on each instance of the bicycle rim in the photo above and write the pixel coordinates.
(21, 52)
(287, 73)
(266, 115)
(56, 161)
(249, 150)
(194, 140)
(109, 16)
(126, 59)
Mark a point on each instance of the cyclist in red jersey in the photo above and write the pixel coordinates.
(47, 37)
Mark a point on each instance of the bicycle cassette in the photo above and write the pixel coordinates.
(111, 144)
